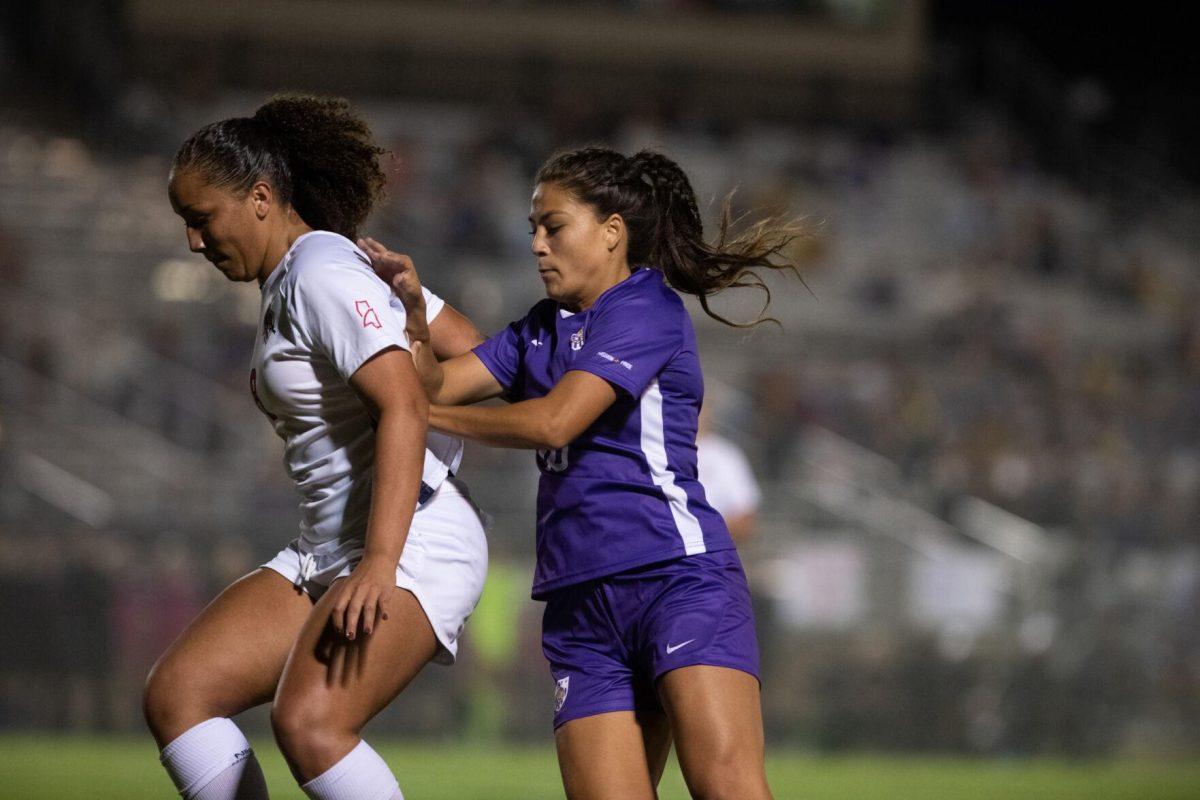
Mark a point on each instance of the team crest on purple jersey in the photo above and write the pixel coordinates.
(560, 692)
(577, 340)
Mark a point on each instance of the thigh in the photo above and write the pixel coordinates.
(620, 754)
(343, 683)
(231, 656)
(611, 734)
(716, 718)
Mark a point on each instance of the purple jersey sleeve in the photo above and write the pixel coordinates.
(503, 353)
(629, 343)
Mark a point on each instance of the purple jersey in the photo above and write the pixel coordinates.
(625, 493)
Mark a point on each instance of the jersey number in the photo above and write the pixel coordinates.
(553, 460)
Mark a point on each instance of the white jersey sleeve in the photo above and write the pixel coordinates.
(347, 314)
(433, 304)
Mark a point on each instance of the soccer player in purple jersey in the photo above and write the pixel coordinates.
(648, 627)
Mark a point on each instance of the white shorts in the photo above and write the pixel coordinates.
(443, 564)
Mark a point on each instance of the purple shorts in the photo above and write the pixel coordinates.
(608, 640)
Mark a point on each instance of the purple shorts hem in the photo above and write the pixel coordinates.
(712, 662)
(592, 711)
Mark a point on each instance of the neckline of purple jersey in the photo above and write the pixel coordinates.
(635, 271)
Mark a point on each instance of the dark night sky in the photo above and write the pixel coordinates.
(1144, 54)
(1123, 45)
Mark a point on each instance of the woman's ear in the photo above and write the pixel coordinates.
(262, 198)
(614, 232)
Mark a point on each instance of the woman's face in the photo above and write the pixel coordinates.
(574, 248)
(227, 229)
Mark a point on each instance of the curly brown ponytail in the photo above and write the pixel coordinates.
(655, 198)
(316, 152)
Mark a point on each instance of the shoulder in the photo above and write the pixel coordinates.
(647, 292)
(644, 302)
(325, 259)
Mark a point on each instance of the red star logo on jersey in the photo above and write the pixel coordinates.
(369, 317)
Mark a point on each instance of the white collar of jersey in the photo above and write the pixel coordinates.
(282, 267)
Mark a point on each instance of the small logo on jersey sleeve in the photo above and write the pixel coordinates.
(560, 692)
(614, 359)
(268, 323)
(369, 318)
(577, 340)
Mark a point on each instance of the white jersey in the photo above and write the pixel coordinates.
(726, 476)
(324, 313)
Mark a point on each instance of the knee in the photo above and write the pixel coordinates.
(164, 698)
(731, 787)
(730, 775)
(310, 736)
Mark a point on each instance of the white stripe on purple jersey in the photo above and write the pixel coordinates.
(655, 448)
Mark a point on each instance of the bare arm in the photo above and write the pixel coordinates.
(462, 378)
(552, 421)
(452, 334)
(389, 387)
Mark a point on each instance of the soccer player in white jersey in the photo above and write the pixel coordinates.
(391, 555)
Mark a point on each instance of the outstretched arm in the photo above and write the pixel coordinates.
(451, 334)
(461, 379)
(548, 422)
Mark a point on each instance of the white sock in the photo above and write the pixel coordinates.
(360, 775)
(213, 761)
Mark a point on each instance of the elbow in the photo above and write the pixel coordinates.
(555, 441)
(412, 406)
(418, 406)
(555, 434)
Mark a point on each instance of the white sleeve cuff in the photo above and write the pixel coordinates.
(433, 305)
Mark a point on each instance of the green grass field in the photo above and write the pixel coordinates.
(54, 768)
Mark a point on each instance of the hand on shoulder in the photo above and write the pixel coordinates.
(398, 271)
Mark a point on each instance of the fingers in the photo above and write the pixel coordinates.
(358, 610)
(396, 269)
(337, 612)
(385, 261)
(373, 248)
(374, 609)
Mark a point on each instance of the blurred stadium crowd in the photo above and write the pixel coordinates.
(977, 427)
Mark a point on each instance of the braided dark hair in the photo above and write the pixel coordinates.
(316, 153)
(655, 198)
